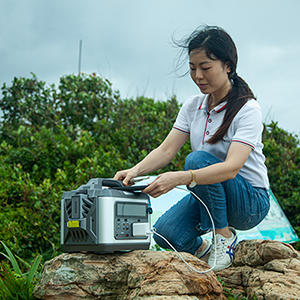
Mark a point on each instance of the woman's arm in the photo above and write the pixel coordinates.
(156, 159)
(236, 158)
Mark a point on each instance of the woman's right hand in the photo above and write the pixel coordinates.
(125, 176)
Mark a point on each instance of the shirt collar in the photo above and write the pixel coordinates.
(218, 108)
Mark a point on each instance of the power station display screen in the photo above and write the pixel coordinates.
(131, 210)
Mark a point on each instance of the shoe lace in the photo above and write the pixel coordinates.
(219, 248)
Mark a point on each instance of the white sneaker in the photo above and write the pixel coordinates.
(223, 251)
(203, 255)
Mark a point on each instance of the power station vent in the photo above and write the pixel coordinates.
(78, 207)
(78, 235)
(86, 206)
(68, 204)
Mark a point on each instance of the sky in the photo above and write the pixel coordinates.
(130, 44)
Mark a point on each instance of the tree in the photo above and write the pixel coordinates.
(54, 140)
(283, 161)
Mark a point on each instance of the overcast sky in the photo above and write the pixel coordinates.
(129, 43)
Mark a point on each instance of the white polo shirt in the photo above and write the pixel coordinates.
(246, 128)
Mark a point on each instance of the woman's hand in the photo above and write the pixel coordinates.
(125, 176)
(166, 182)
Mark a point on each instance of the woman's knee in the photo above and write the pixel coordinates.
(163, 235)
(199, 159)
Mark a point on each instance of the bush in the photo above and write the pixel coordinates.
(29, 213)
(53, 140)
(62, 140)
(283, 161)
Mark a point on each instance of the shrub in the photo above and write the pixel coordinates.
(66, 137)
(283, 161)
(53, 140)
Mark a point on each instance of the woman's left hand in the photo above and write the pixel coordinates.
(166, 182)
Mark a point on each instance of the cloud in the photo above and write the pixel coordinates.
(266, 55)
(128, 42)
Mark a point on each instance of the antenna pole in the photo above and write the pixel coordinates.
(79, 63)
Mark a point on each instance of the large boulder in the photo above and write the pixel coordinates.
(133, 275)
(268, 269)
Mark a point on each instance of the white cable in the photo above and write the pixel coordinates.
(153, 231)
(212, 222)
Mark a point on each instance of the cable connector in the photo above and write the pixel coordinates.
(140, 229)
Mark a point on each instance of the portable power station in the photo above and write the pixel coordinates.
(104, 216)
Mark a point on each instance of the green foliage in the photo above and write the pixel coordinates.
(80, 100)
(56, 140)
(231, 294)
(141, 125)
(15, 284)
(29, 214)
(283, 161)
(27, 101)
(85, 101)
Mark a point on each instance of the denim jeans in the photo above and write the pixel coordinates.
(233, 203)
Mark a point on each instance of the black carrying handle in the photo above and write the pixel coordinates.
(112, 183)
(118, 185)
(132, 189)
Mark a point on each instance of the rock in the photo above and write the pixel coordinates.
(259, 252)
(268, 269)
(132, 275)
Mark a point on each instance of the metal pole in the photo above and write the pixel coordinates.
(79, 64)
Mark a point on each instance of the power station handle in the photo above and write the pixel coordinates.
(132, 189)
(118, 185)
(112, 183)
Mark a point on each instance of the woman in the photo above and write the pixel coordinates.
(226, 168)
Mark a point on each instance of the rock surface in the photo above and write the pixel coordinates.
(134, 275)
(268, 269)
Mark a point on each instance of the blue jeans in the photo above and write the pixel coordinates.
(233, 203)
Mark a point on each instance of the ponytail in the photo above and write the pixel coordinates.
(237, 97)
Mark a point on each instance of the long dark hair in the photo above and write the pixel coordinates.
(218, 44)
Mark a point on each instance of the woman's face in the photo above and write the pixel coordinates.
(211, 76)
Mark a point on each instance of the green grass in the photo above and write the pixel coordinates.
(16, 284)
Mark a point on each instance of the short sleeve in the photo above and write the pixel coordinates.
(248, 124)
(187, 112)
(181, 122)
